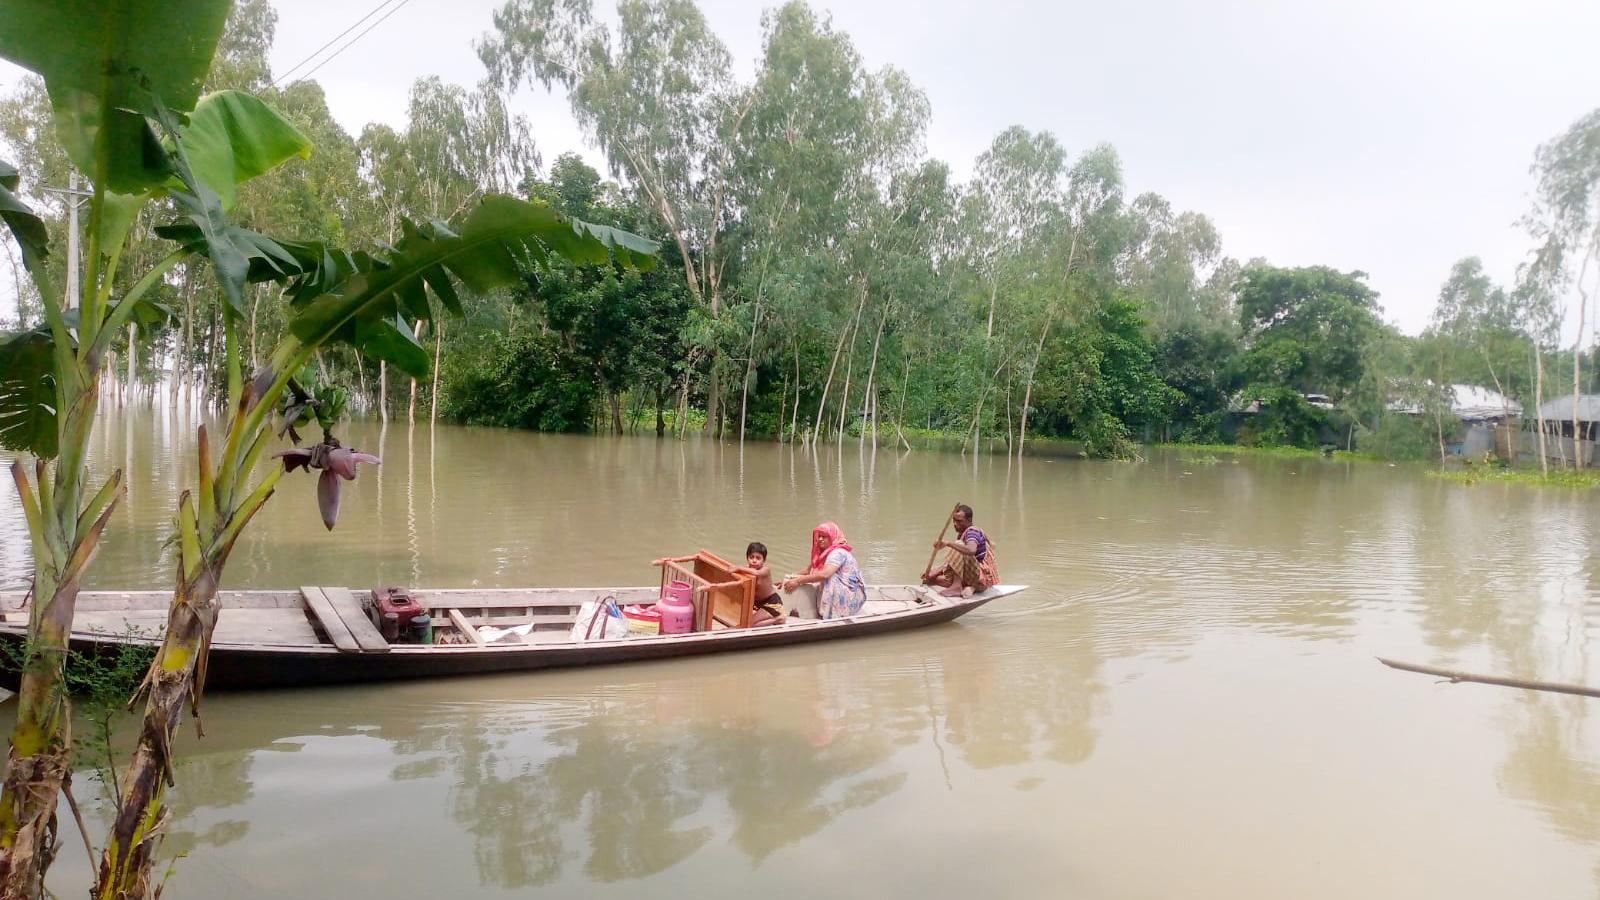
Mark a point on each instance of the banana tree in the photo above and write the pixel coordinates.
(110, 68)
(364, 300)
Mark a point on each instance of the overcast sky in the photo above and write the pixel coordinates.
(1389, 137)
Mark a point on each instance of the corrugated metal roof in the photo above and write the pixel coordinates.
(1470, 403)
(1561, 408)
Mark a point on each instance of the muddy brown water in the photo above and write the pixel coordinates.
(1184, 704)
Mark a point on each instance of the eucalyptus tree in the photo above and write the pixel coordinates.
(659, 100)
(1086, 237)
(1478, 320)
(457, 145)
(801, 150)
(1566, 219)
(1015, 189)
(1170, 259)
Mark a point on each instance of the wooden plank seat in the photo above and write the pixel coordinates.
(280, 626)
(367, 636)
(342, 620)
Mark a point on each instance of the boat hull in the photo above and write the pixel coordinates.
(246, 666)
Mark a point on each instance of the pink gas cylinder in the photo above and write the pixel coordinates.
(677, 608)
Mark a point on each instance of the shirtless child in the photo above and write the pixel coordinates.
(769, 605)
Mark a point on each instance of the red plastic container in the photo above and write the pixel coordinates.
(397, 600)
(642, 619)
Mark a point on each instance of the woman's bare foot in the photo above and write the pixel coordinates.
(950, 592)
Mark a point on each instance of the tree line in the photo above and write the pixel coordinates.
(822, 277)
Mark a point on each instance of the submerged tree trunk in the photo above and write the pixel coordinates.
(1027, 393)
(661, 401)
(783, 405)
(683, 407)
(872, 372)
(438, 356)
(714, 397)
(827, 385)
(905, 385)
(794, 412)
(849, 367)
(1538, 400)
(749, 368)
(977, 414)
(614, 400)
(1578, 453)
(383, 390)
(133, 357)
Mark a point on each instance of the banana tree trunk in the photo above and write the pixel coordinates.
(39, 762)
(207, 531)
(126, 864)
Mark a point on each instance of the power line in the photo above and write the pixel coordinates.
(331, 42)
(335, 54)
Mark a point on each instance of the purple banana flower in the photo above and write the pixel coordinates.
(336, 462)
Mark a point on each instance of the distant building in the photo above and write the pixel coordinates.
(1558, 415)
(1241, 410)
(1481, 412)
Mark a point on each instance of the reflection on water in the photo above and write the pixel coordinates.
(1184, 704)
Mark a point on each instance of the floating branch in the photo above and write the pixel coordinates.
(1455, 677)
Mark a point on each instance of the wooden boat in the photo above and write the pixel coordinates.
(322, 635)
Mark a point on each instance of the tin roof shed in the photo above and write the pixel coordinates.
(1560, 409)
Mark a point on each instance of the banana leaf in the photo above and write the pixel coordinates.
(26, 227)
(28, 392)
(104, 62)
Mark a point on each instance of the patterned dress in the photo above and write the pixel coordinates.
(844, 592)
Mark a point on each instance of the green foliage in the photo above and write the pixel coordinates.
(1403, 437)
(1201, 366)
(106, 82)
(101, 683)
(26, 227)
(1571, 479)
(520, 379)
(1306, 328)
(232, 137)
(28, 392)
(1286, 417)
(1098, 380)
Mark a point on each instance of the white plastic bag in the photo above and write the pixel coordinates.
(599, 620)
(492, 635)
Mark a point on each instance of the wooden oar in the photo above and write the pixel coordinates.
(935, 554)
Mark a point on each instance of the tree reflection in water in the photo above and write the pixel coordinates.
(630, 781)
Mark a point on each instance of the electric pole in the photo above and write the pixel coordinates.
(75, 196)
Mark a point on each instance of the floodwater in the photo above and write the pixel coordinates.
(1184, 704)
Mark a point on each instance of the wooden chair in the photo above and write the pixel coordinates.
(720, 594)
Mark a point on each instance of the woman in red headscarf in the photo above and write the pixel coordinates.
(833, 566)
